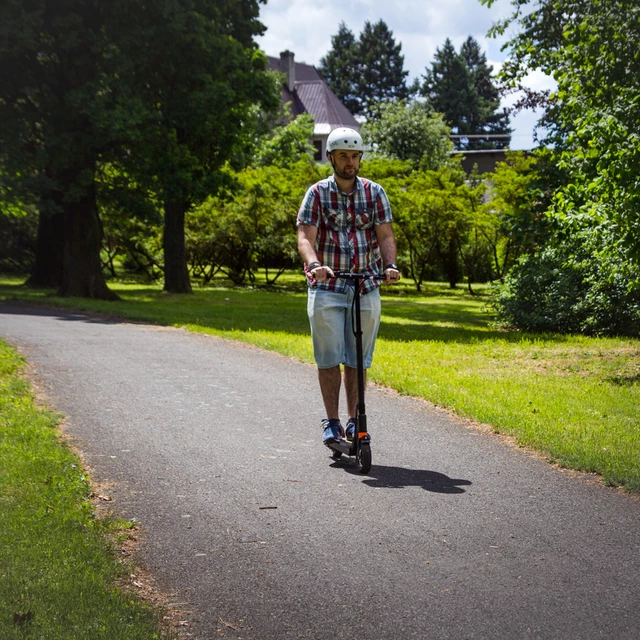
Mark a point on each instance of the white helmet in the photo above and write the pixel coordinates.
(344, 138)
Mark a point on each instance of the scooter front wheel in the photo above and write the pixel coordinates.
(363, 458)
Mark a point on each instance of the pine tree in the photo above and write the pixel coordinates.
(339, 67)
(460, 86)
(490, 118)
(365, 71)
(381, 74)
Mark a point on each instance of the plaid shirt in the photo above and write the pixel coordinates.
(346, 239)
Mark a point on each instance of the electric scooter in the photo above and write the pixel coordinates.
(360, 446)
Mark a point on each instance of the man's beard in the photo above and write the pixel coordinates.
(342, 175)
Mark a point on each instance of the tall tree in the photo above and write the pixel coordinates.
(339, 68)
(489, 118)
(592, 51)
(163, 89)
(366, 71)
(199, 74)
(52, 131)
(409, 131)
(381, 76)
(449, 89)
(460, 86)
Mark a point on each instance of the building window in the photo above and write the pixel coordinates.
(317, 156)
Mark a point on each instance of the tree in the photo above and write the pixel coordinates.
(513, 224)
(250, 225)
(434, 212)
(381, 74)
(593, 117)
(200, 74)
(409, 131)
(161, 89)
(460, 86)
(287, 143)
(339, 68)
(368, 71)
(54, 103)
(489, 118)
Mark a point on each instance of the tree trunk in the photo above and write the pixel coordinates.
(81, 269)
(451, 264)
(176, 274)
(47, 269)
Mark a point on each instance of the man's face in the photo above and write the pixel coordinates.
(345, 162)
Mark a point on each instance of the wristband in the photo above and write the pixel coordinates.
(392, 265)
(313, 265)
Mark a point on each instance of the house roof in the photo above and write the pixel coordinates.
(312, 95)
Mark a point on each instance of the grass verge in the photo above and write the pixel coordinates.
(58, 572)
(574, 399)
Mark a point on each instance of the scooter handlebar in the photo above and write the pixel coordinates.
(350, 275)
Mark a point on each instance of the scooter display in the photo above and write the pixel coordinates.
(360, 446)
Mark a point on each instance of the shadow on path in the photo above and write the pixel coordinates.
(382, 477)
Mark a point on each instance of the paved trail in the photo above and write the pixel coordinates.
(214, 447)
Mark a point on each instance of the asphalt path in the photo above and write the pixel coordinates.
(215, 449)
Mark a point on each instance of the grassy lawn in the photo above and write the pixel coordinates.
(58, 573)
(574, 399)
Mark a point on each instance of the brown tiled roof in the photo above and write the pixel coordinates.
(312, 95)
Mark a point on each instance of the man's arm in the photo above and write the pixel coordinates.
(307, 234)
(387, 243)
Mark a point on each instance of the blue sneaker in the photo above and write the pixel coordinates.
(333, 430)
(350, 429)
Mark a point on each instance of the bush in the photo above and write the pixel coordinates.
(18, 241)
(571, 289)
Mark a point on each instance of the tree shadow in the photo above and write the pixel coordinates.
(26, 309)
(383, 477)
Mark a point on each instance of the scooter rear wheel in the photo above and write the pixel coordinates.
(363, 458)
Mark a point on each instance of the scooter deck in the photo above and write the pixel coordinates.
(347, 447)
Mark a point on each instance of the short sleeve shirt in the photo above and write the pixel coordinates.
(346, 224)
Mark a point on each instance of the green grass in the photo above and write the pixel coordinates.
(58, 572)
(572, 398)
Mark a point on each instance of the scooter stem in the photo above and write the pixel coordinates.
(361, 414)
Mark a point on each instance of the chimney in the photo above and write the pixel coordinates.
(287, 65)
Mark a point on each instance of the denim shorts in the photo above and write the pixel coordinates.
(330, 316)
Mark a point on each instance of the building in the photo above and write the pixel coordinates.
(308, 93)
(485, 159)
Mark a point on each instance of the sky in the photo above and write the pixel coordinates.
(421, 26)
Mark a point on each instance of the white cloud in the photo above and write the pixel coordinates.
(306, 26)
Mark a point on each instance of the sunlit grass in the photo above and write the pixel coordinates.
(58, 574)
(576, 399)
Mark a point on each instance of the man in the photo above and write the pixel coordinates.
(344, 224)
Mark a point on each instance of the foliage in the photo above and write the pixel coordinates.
(339, 68)
(57, 115)
(251, 226)
(513, 223)
(435, 212)
(409, 131)
(460, 86)
(594, 118)
(198, 77)
(287, 143)
(18, 229)
(562, 288)
(165, 91)
(132, 225)
(367, 71)
(595, 114)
